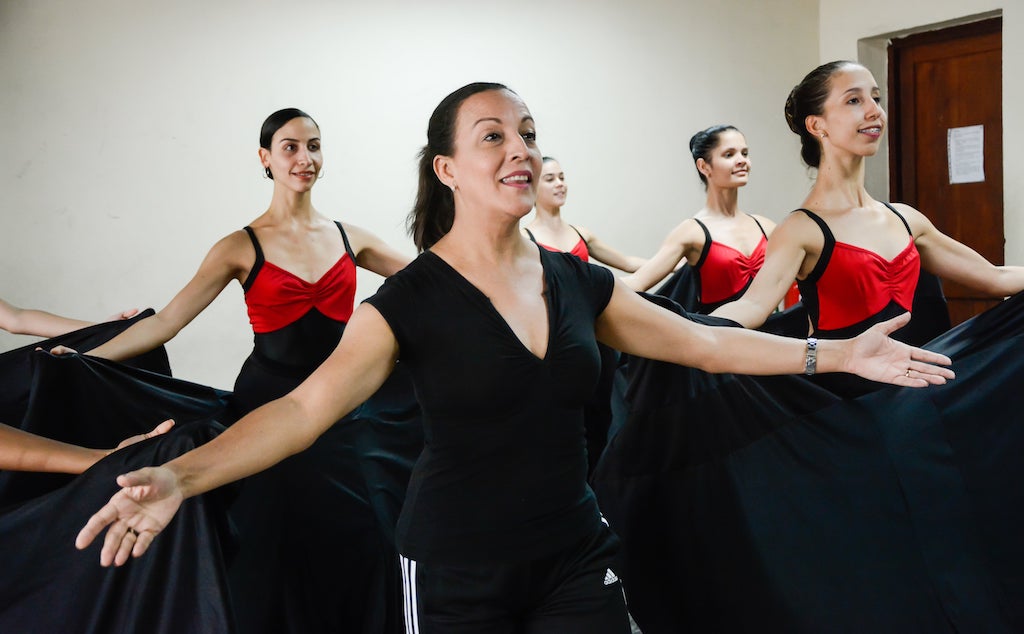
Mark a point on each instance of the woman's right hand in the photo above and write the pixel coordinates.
(135, 515)
(61, 350)
(160, 429)
(124, 314)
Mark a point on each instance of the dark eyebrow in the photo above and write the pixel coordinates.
(497, 120)
(316, 138)
(858, 89)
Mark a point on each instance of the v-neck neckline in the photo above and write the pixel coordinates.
(545, 292)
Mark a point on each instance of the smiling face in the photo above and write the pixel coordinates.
(496, 162)
(294, 156)
(852, 120)
(551, 190)
(729, 165)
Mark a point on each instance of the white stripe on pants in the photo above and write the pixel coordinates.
(412, 618)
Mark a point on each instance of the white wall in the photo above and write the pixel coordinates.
(130, 128)
(844, 24)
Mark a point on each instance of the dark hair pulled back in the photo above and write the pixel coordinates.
(275, 122)
(808, 98)
(704, 142)
(434, 211)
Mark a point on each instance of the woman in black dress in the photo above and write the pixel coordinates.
(298, 271)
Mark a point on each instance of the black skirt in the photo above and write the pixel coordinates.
(47, 585)
(782, 504)
(316, 532)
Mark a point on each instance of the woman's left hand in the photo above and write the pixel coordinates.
(135, 515)
(874, 355)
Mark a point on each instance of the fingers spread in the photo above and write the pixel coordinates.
(142, 543)
(124, 549)
(133, 479)
(100, 520)
(930, 357)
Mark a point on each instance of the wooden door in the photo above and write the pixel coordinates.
(942, 80)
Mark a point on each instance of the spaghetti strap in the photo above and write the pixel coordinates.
(257, 265)
(530, 233)
(758, 225)
(900, 216)
(707, 244)
(580, 235)
(344, 238)
(826, 250)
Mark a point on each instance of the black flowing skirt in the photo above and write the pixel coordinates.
(47, 585)
(317, 531)
(16, 374)
(90, 401)
(782, 504)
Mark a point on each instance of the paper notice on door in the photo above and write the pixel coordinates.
(965, 147)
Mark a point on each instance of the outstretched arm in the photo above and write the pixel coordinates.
(23, 451)
(224, 262)
(373, 254)
(672, 251)
(151, 496)
(952, 260)
(28, 321)
(787, 249)
(633, 325)
(606, 254)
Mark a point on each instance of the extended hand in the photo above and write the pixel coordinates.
(124, 314)
(135, 515)
(162, 428)
(874, 355)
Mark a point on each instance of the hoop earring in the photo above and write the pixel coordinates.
(267, 174)
(320, 174)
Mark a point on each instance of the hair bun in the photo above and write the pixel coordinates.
(790, 108)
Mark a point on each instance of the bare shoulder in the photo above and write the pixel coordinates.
(358, 237)
(797, 229)
(687, 235)
(587, 234)
(234, 251)
(918, 221)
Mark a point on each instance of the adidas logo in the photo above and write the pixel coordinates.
(609, 577)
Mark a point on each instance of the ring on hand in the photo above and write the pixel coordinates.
(132, 531)
(907, 373)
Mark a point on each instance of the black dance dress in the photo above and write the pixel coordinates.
(316, 531)
(783, 504)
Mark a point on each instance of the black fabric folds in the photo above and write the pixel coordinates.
(49, 587)
(316, 532)
(16, 365)
(778, 504)
(307, 546)
(96, 403)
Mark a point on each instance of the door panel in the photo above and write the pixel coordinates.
(939, 80)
